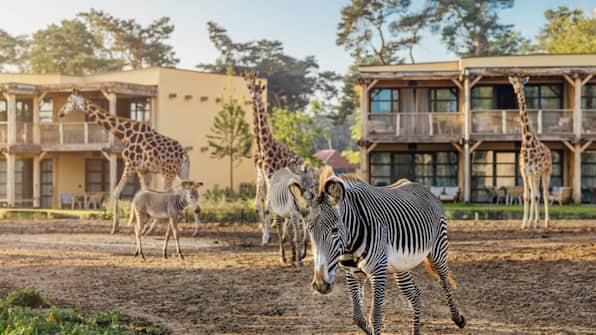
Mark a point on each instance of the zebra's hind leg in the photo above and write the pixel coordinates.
(410, 291)
(439, 265)
(282, 237)
(355, 286)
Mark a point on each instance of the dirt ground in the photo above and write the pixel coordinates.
(509, 282)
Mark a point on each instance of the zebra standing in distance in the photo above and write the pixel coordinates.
(289, 211)
(375, 231)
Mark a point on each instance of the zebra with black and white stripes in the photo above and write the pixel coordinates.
(372, 232)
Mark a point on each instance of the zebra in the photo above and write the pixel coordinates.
(375, 231)
(289, 211)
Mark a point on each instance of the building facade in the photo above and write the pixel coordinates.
(45, 156)
(457, 123)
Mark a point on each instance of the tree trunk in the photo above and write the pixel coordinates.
(232, 172)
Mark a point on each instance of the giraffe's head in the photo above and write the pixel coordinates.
(518, 82)
(75, 102)
(254, 86)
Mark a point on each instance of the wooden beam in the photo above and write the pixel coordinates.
(585, 146)
(373, 83)
(569, 80)
(457, 147)
(532, 71)
(105, 155)
(420, 75)
(569, 146)
(475, 81)
(587, 79)
(475, 146)
(456, 82)
(371, 148)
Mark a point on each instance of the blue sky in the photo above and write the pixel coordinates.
(306, 27)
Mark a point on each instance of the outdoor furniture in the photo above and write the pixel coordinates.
(66, 199)
(497, 194)
(560, 194)
(514, 193)
(79, 199)
(450, 194)
(437, 191)
(95, 199)
(592, 194)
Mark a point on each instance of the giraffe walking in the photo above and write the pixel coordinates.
(270, 155)
(535, 161)
(145, 150)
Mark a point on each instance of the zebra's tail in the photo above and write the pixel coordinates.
(431, 270)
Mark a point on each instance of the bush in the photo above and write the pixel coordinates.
(26, 298)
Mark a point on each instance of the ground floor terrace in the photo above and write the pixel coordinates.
(493, 166)
(61, 179)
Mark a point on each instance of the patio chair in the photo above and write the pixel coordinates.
(560, 194)
(451, 194)
(497, 195)
(437, 191)
(514, 193)
(96, 200)
(66, 199)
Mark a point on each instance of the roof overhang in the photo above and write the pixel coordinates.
(109, 86)
(531, 71)
(410, 75)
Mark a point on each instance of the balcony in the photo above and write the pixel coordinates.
(415, 127)
(589, 123)
(550, 124)
(72, 136)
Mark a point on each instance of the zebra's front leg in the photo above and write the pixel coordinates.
(377, 281)
(356, 288)
(296, 241)
(410, 291)
(196, 213)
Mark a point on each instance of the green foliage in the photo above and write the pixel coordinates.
(68, 48)
(13, 50)
(472, 28)
(297, 131)
(230, 135)
(129, 42)
(567, 31)
(28, 297)
(33, 319)
(217, 194)
(353, 156)
(291, 82)
(380, 28)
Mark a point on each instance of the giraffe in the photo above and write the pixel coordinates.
(145, 150)
(270, 155)
(535, 161)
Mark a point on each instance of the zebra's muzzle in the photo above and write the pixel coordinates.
(319, 283)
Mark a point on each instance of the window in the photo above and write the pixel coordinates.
(24, 181)
(46, 200)
(3, 111)
(501, 168)
(138, 109)
(25, 110)
(482, 97)
(544, 96)
(588, 174)
(443, 100)
(46, 110)
(384, 100)
(589, 96)
(97, 175)
(428, 168)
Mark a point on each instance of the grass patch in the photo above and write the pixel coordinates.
(48, 214)
(462, 211)
(25, 312)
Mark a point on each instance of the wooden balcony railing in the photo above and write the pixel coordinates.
(3, 132)
(70, 133)
(506, 122)
(416, 124)
(589, 122)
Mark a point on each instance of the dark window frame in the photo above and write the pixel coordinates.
(585, 97)
(104, 172)
(413, 164)
(393, 102)
(493, 99)
(432, 99)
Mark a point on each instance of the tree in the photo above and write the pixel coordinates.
(126, 40)
(230, 135)
(291, 82)
(68, 48)
(380, 28)
(567, 31)
(13, 50)
(472, 28)
(297, 131)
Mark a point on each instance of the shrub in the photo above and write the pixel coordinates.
(26, 298)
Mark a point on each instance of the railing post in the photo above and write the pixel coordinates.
(397, 124)
(504, 122)
(430, 124)
(11, 101)
(61, 132)
(539, 121)
(86, 132)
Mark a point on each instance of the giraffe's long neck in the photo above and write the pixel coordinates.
(110, 122)
(526, 126)
(257, 130)
(264, 136)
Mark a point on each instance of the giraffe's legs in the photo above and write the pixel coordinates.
(545, 186)
(126, 174)
(526, 199)
(536, 198)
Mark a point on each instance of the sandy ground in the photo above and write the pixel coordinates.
(510, 282)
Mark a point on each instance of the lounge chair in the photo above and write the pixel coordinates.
(451, 194)
(560, 194)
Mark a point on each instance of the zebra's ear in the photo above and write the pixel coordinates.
(197, 184)
(186, 184)
(334, 188)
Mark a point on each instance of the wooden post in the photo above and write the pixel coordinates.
(61, 132)
(504, 122)
(11, 179)
(112, 100)
(86, 132)
(36, 181)
(577, 109)
(430, 124)
(539, 121)
(364, 114)
(11, 102)
(153, 115)
(36, 120)
(576, 183)
(467, 126)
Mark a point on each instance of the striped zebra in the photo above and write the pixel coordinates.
(289, 211)
(372, 232)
